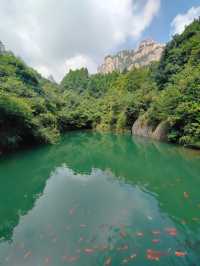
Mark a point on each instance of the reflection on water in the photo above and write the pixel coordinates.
(100, 199)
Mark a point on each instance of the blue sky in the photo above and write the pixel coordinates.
(54, 36)
(160, 27)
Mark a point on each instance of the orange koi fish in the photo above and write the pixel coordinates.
(154, 255)
(171, 231)
(155, 241)
(89, 250)
(180, 254)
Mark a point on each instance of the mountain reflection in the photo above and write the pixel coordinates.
(162, 171)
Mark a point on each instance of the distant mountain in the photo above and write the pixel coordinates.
(51, 79)
(2, 48)
(147, 52)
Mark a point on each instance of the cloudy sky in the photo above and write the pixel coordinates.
(54, 36)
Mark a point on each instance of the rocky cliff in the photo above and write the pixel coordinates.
(143, 128)
(147, 52)
(51, 78)
(2, 48)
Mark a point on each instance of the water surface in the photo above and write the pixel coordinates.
(100, 199)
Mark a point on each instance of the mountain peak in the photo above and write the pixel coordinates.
(147, 52)
(2, 48)
(51, 78)
(147, 42)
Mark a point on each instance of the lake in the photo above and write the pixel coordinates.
(100, 199)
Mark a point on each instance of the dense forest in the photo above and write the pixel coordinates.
(34, 110)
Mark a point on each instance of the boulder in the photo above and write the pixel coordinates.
(143, 128)
(161, 131)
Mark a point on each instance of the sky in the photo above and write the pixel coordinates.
(55, 36)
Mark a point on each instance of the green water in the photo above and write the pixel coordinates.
(100, 199)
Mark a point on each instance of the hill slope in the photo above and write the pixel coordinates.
(27, 105)
(35, 110)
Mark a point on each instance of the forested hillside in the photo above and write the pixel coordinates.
(28, 105)
(178, 79)
(34, 110)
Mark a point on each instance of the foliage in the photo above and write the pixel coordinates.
(28, 105)
(129, 96)
(183, 49)
(178, 75)
(34, 110)
(76, 80)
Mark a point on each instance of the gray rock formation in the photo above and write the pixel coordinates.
(2, 48)
(161, 131)
(147, 52)
(51, 78)
(142, 128)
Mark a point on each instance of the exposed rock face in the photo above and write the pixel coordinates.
(51, 78)
(161, 131)
(2, 48)
(147, 52)
(144, 129)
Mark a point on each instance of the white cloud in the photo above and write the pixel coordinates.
(79, 61)
(50, 33)
(182, 20)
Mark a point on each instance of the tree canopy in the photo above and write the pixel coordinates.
(35, 110)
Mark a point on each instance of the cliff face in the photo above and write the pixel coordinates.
(144, 129)
(2, 48)
(147, 52)
(51, 79)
